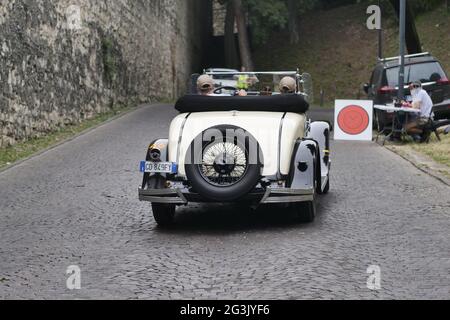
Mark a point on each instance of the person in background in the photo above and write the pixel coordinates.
(205, 85)
(244, 81)
(421, 100)
(266, 91)
(288, 85)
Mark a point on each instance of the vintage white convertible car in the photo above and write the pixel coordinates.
(256, 149)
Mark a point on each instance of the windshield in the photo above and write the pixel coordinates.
(263, 83)
(255, 82)
(423, 72)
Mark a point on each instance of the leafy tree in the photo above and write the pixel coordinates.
(244, 40)
(231, 50)
(265, 16)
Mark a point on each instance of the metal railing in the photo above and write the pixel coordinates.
(407, 56)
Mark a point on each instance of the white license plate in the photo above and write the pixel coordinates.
(158, 167)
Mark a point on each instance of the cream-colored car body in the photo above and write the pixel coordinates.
(276, 133)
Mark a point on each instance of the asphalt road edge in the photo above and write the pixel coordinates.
(412, 158)
(82, 133)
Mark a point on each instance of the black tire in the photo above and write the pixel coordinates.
(164, 214)
(327, 187)
(305, 211)
(318, 172)
(225, 193)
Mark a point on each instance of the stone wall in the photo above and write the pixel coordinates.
(63, 61)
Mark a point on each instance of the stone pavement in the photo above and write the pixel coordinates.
(77, 205)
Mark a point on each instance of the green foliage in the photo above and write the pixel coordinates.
(420, 6)
(266, 16)
(305, 6)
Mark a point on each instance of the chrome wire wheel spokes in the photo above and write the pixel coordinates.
(223, 164)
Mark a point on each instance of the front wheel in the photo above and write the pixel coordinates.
(164, 214)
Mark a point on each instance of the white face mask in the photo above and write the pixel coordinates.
(414, 91)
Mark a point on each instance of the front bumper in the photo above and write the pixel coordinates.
(262, 196)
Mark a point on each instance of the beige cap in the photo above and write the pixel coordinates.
(288, 84)
(205, 83)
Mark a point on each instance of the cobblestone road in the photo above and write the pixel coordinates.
(77, 205)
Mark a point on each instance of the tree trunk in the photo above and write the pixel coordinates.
(412, 37)
(294, 35)
(231, 55)
(244, 42)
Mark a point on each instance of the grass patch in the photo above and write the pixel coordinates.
(438, 151)
(12, 154)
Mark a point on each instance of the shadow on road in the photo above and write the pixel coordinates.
(226, 218)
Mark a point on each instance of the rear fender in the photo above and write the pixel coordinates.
(320, 132)
(302, 173)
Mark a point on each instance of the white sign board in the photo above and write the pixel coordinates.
(353, 120)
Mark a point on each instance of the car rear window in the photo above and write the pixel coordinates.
(423, 72)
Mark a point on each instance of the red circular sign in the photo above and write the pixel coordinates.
(353, 120)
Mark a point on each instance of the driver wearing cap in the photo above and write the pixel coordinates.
(288, 85)
(205, 85)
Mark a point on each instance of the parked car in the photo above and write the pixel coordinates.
(383, 85)
(254, 149)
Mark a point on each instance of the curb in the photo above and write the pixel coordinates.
(419, 165)
(37, 154)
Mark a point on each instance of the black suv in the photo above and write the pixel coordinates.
(422, 67)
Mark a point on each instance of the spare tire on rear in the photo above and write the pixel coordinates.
(223, 164)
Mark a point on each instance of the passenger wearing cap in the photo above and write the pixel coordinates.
(288, 85)
(421, 100)
(205, 85)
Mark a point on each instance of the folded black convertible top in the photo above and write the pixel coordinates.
(278, 103)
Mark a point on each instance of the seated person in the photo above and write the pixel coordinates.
(205, 85)
(421, 101)
(288, 85)
(266, 91)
